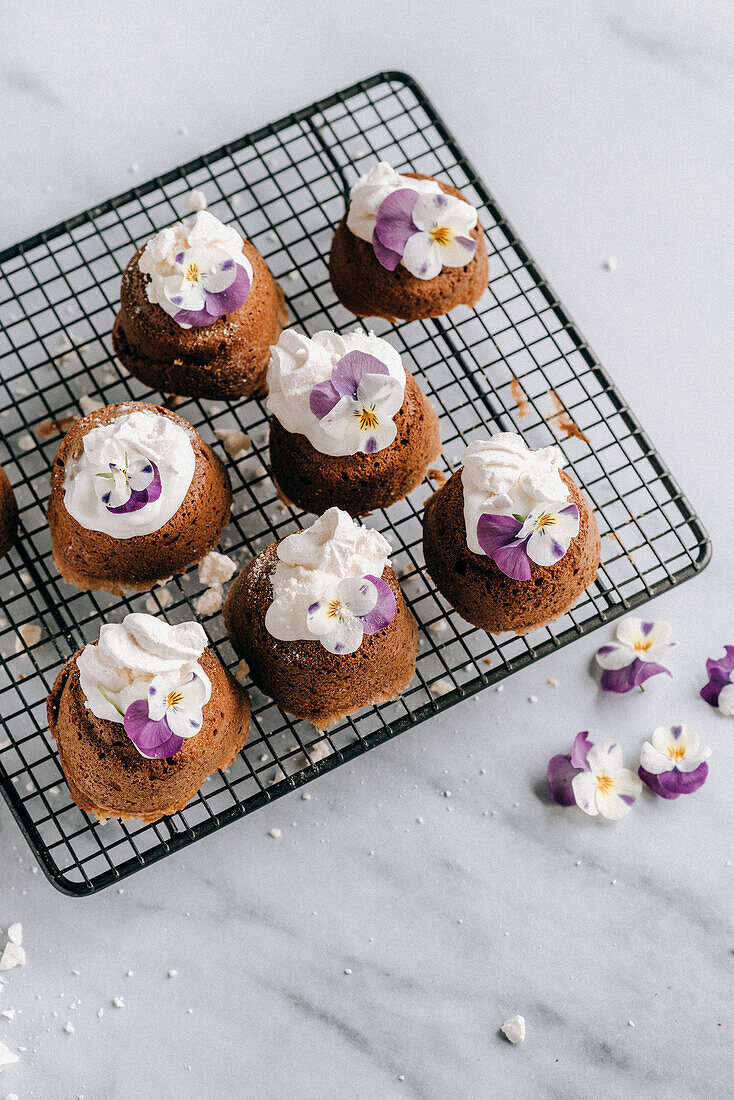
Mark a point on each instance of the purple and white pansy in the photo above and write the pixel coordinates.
(423, 232)
(207, 283)
(353, 607)
(172, 712)
(719, 691)
(128, 486)
(593, 777)
(673, 762)
(357, 403)
(543, 537)
(635, 655)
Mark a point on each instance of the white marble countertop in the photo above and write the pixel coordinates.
(364, 954)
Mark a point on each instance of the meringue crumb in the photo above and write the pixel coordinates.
(7, 1058)
(26, 442)
(13, 955)
(216, 568)
(8, 1013)
(441, 687)
(532, 698)
(195, 201)
(100, 1013)
(118, 1002)
(15, 933)
(242, 671)
(500, 687)
(209, 602)
(69, 1027)
(275, 834)
(235, 442)
(173, 973)
(306, 796)
(89, 404)
(514, 1029)
(630, 1023)
(29, 634)
(610, 264)
(162, 599)
(347, 972)
(552, 681)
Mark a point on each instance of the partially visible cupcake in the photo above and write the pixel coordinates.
(408, 247)
(350, 427)
(136, 496)
(321, 621)
(8, 514)
(199, 311)
(142, 716)
(510, 539)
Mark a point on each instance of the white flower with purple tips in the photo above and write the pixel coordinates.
(719, 691)
(635, 654)
(424, 232)
(593, 778)
(673, 762)
(354, 607)
(129, 485)
(358, 402)
(207, 283)
(158, 725)
(542, 537)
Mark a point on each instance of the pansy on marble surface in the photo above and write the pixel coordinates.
(354, 606)
(719, 691)
(594, 778)
(173, 711)
(673, 762)
(424, 232)
(358, 402)
(128, 486)
(635, 654)
(543, 537)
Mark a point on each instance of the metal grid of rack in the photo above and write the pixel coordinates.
(515, 362)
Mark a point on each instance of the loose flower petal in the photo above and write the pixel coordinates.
(719, 691)
(625, 679)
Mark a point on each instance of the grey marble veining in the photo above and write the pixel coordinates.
(602, 127)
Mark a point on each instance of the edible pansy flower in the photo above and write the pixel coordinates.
(719, 691)
(356, 606)
(158, 725)
(673, 762)
(129, 485)
(358, 403)
(424, 232)
(593, 778)
(634, 656)
(206, 284)
(543, 537)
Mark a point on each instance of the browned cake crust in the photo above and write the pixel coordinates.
(481, 592)
(106, 774)
(227, 359)
(92, 559)
(8, 514)
(358, 483)
(368, 289)
(304, 678)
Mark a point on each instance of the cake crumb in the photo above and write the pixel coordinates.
(552, 681)
(275, 834)
(195, 201)
(216, 569)
(242, 671)
(209, 602)
(29, 634)
(520, 398)
(434, 474)
(514, 1029)
(235, 442)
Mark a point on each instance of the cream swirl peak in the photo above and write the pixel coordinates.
(502, 476)
(411, 222)
(198, 271)
(132, 475)
(327, 584)
(145, 674)
(341, 392)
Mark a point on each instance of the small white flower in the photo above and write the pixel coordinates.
(549, 529)
(444, 224)
(673, 747)
(636, 640)
(198, 270)
(335, 618)
(365, 422)
(180, 704)
(606, 787)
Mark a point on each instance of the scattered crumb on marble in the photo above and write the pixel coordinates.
(69, 1027)
(532, 698)
(275, 834)
(552, 681)
(15, 933)
(514, 1029)
(13, 955)
(610, 264)
(630, 1023)
(306, 796)
(173, 973)
(118, 1002)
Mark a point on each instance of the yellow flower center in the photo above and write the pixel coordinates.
(192, 273)
(335, 609)
(604, 784)
(641, 646)
(676, 752)
(174, 698)
(546, 520)
(441, 234)
(368, 420)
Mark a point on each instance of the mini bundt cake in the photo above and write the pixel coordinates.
(142, 716)
(510, 539)
(350, 427)
(408, 247)
(8, 514)
(136, 496)
(199, 311)
(320, 619)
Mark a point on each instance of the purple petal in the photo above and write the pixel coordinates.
(646, 628)
(513, 561)
(385, 256)
(561, 773)
(674, 783)
(494, 532)
(323, 398)
(351, 369)
(621, 680)
(580, 749)
(370, 446)
(152, 739)
(383, 613)
(140, 497)
(569, 510)
(719, 672)
(229, 300)
(394, 224)
(197, 318)
(466, 242)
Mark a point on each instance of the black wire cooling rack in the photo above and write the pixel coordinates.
(516, 362)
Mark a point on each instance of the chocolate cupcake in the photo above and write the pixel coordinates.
(142, 716)
(510, 540)
(136, 496)
(199, 311)
(350, 427)
(8, 514)
(408, 247)
(321, 621)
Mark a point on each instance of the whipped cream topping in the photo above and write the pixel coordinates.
(127, 443)
(118, 669)
(369, 192)
(311, 562)
(502, 476)
(298, 363)
(209, 240)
